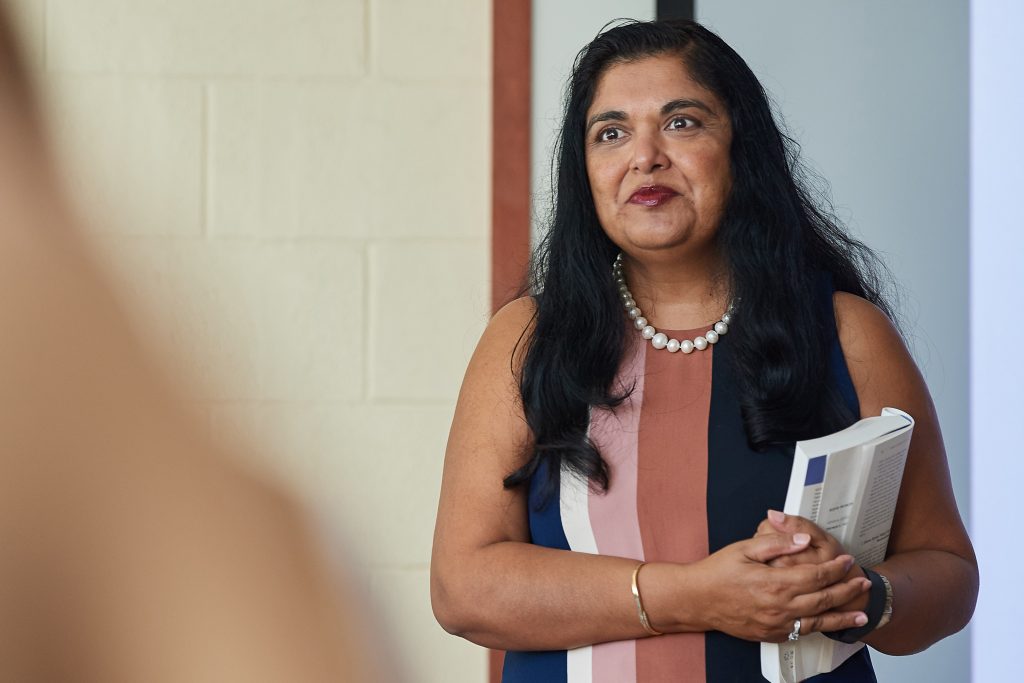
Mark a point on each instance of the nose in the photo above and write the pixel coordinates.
(648, 154)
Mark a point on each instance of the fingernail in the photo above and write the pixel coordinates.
(865, 583)
(801, 539)
(849, 564)
(860, 619)
(776, 516)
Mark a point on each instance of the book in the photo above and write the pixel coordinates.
(847, 483)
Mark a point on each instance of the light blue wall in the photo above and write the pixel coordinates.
(877, 94)
(997, 366)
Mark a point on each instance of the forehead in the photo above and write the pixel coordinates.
(648, 83)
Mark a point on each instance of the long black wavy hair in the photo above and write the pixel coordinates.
(776, 238)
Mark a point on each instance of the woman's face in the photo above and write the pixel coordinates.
(657, 152)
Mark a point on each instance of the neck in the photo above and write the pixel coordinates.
(679, 295)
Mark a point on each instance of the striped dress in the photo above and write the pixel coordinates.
(684, 483)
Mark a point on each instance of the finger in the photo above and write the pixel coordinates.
(766, 548)
(792, 524)
(765, 528)
(808, 578)
(829, 598)
(832, 621)
(806, 556)
(829, 621)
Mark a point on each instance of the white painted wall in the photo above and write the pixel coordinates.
(294, 197)
(877, 93)
(997, 333)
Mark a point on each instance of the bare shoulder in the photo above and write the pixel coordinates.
(514, 317)
(489, 439)
(863, 327)
(504, 341)
(489, 407)
(880, 365)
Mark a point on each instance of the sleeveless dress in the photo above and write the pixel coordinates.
(684, 483)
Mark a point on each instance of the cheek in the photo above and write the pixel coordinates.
(715, 171)
(603, 185)
(725, 171)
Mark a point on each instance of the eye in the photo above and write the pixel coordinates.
(609, 134)
(682, 123)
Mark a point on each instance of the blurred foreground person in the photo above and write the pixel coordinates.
(132, 550)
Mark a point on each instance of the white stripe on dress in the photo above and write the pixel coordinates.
(573, 502)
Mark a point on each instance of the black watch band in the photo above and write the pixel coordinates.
(877, 599)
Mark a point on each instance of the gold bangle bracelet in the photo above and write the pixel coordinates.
(644, 621)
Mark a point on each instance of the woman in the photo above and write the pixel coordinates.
(695, 314)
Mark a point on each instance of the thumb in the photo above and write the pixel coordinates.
(766, 548)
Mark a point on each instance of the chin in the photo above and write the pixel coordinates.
(657, 238)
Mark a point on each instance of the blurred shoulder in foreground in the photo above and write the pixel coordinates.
(133, 548)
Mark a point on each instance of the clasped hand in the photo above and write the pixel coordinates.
(791, 569)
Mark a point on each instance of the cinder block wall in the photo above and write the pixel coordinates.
(293, 197)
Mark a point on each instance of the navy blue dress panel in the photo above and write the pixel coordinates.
(545, 530)
(545, 516)
(839, 373)
(535, 667)
(743, 484)
(857, 669)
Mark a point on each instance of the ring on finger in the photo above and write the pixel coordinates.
(795, 635)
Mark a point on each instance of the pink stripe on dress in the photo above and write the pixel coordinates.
(613, 515)
(672, 491)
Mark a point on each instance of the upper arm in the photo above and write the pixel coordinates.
(884, 374)
(488, 440)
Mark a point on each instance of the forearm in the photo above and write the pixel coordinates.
(934, 593)
(518, 596)
(515, 595)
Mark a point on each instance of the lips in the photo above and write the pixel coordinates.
(652, 195)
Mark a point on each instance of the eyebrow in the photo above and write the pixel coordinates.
(674, 105)
(667, 108)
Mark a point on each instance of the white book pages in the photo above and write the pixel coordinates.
(848, 484)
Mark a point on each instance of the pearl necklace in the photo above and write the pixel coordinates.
(660, 340)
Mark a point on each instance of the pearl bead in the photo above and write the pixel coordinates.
(660, 340)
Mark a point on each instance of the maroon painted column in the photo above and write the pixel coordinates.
(510, 168)
(510, 150)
